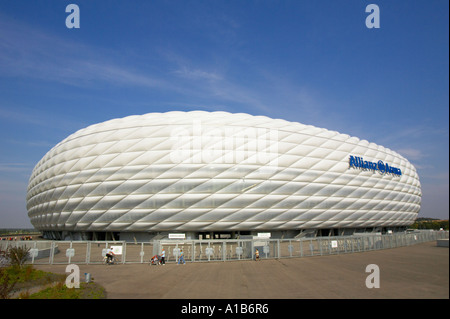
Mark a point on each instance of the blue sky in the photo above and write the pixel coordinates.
(313, 62)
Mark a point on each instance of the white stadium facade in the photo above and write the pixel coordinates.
(218, 175)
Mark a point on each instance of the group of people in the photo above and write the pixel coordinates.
(180, 257)
(157, 259)
(161, 259)
(15, 238)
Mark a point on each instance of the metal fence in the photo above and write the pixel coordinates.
(93, 252)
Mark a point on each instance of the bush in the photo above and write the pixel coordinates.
(17, 256)
(6, 284)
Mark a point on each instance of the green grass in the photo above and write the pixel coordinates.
(27, 277)
(60, 291)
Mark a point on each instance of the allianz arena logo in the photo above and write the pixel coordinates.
(201, 143)
(380, 166)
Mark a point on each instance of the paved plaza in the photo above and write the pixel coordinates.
(420, 272)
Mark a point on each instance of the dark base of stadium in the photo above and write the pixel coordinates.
(150, 236)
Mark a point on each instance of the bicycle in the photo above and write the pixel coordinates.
(109, 261)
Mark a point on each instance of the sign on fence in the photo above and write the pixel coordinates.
(70, 252)
(117, 250)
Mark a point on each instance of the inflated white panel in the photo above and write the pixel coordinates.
(216, 171)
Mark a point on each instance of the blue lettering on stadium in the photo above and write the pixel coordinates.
(380, 166)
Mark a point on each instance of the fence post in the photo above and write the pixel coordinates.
(88, 252)
(34, 246)
(141, 254)
(301, 247)
(124, 252)
(70, 255)
(252, 252)
(52, 252)
(278, 248)
(224, 252)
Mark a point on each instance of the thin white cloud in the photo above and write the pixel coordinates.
(27, 116)
(412, 153)
(31, 143)
(197, 74)
(23, 117)
(15, 168)
(30, 52)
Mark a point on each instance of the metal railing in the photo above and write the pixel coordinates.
(93, 252)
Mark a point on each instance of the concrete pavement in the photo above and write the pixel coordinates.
(419, 272)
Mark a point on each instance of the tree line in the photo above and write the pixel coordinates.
(429, 223)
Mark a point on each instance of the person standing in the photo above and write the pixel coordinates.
(181, 259)
(257, 254)
(163, 257)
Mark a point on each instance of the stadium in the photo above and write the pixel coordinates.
(207, 175)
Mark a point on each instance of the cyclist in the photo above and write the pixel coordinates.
(109, 255)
